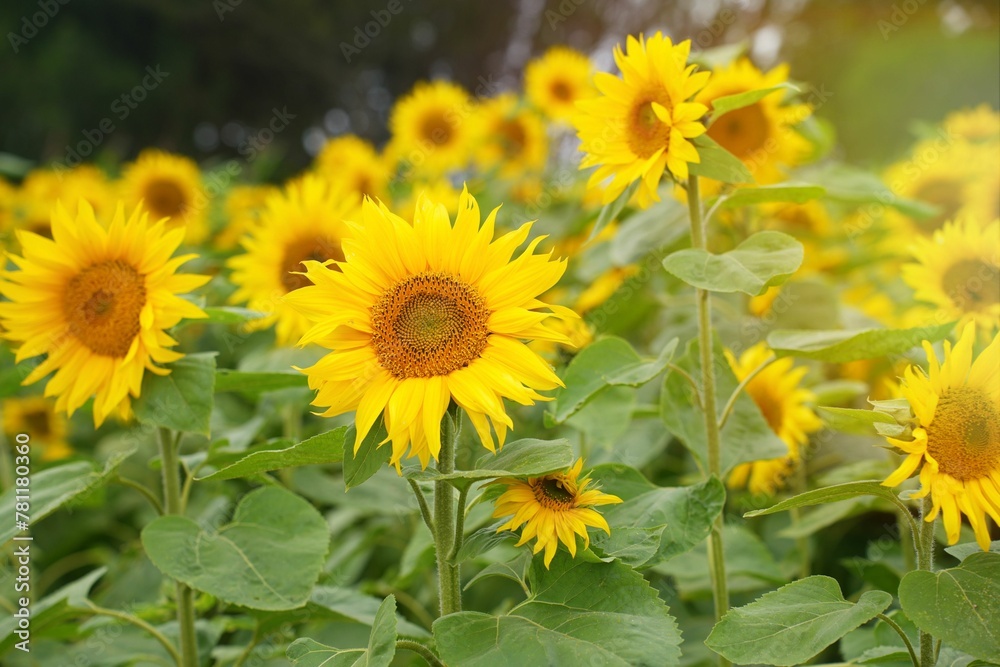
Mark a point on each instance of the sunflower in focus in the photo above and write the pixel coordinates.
(354, 165)
(556, 81)
(958, 270)
(782, 400)
(511, 138)
(97, 299)
(642, 122)
(169, 186)
(552, 508)
(421, 315)
(431, 129)
(956, 444)
(36, 416)
(306, 222)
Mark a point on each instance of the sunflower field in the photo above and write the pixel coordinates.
(619, 360)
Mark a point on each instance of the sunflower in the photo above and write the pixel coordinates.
(778, 394)
(641, 123)
(420, 315)
(603, 287)
(169, 186)
(760, 134)
(431, 128)
(354, 165)
(552, 508)
(36, 416)
(97, 299)
(511, 138)
(979, 125)
(556, 81)
(958, 270)
(956, 443)
(305, 222)
(243, 208)
(32, 203)
(439, 190)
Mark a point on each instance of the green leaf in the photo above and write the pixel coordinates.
(856, 186)
(842, 346)
(182, 400)
(726, 103)
(521, 458)
(347, 603)
(963, 551)
(580, 612)
(269, 557)
(370, 457)
(251, 384)
(318, 450)
(960, 606)
(850, 420)
(50, 608)
(609, 361)
(381, 649)
(794, 193)
(792, 624)
(765, 259)
(611, 211)
(230, 315)
(830, 494)
(717, 163)
(483, 540)
(515, 569)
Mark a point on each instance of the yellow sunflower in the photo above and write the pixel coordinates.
(958, 270)
(439, 190)
(642, 122)
(354, 165)
(431, 129)
(97, 299)
(782, 400)
(557, 80)
(956, 443)
(979, 125)
(420, 315)
(169, 186)
(243, 208)
(553, 508)
(36, 416)
(42, 188)
(511, 138)
(603, 287)
(306, 222)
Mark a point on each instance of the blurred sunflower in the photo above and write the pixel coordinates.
(37, 417)
(32, 203)
(431, 128)
(557, 80)
(978, 125)
(353, 165)
(941, 178)
(423, 314)
(169, 186)
(553, 508)
(956, 444)
(97, 300)
(306, 222)
(439, 190)
(243, 208)
(642, 122)
(958, 270)
(603, 287)
(511, 137)
(782, 400)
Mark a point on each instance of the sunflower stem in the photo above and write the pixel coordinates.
(925, 561)
(449, 589)
(716, 557)
(172, 505)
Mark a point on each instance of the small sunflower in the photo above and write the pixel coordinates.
(169, 186)
(42, 188)
(642, 122)
(305, 222)
(557, 80)
(511, 137)
(956, 444)
(431, 128)
(552, 508)
(97, 299)
(354, 165)
(420, 315)
(958, 270)
(243, 208)
(782, 400)
(979, 125)
(36, 416)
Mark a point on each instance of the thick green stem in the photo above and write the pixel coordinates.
(449, 587)
(420, 650)
(925, 561)
(172, 505)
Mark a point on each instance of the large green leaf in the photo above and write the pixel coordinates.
(50, 608)
(842, 346)
(793, 193)
(347, 603)
(181, 400)
(251, 384)
(370, 457)
(852, 420)
(792, 624)
(268, 557)
(654, 523)
(318, 450)
(521, 458)
(765, 259)
(960, 606)
(381, 649)
(830, 494)
(581, 612)
(726, 103)
(717, 163)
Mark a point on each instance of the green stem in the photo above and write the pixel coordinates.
(902, 633)
(425, 511)
(450, 593)
(731, 403)
(139, 623)
(420, 650)
(716, 557)
(805, 552)
(925, 561)
(146, 493)
(459, 524)
(172, 505)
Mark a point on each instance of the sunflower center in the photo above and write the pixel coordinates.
(561, 90)
(964, 437)
(944, 194)
(436, 129)
(742, 131)
(165, 199)
(512, 137)
(317, 248)
(972, 284)
(429, 324)
(37, 422)
(552, 494)
(102, 305)
(646, 132)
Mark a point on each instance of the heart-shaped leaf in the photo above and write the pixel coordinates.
(763, 260)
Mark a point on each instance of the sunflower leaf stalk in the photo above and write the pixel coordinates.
(445, 522)
(925, 561)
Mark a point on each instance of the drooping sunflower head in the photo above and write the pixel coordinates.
(419, 315)
(431, 129)
(510, 137)
(555, 82)
(956, 443)
(958, 270)
(552, 508)
(97, 299)
(354, 166)
(305, 222)
(643, 121)
(785, 404)
(168, 186)
(36, 416)
(243, 207)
